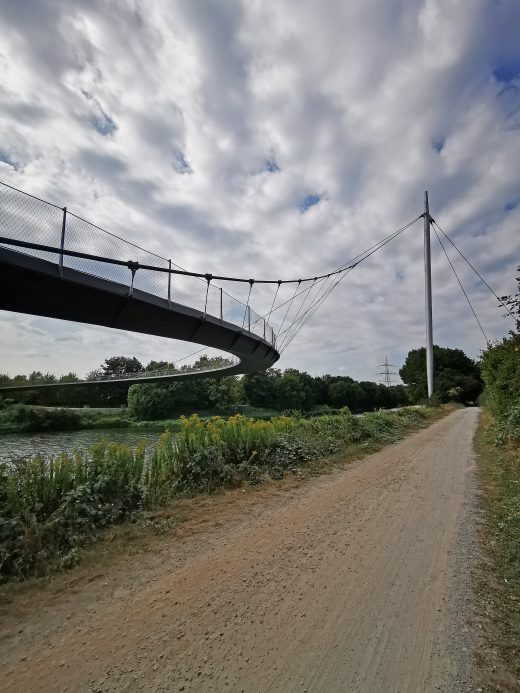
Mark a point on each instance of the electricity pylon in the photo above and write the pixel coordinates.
(387, 372)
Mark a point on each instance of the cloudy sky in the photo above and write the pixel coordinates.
(272, 139)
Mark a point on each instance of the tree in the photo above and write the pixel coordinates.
(69, 378)
(452, 369)
(169, 400)
(160, 366)
(500, 365)
(346, 394)
(121, 365)
(116, 395)
(289, 391)
(513, 303)
(259, 388)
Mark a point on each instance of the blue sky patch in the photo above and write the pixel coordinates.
(309, 201)
(511, 204)
(507, 70)
(438, 144)
(103, 124)
(7, 159)
(180, 164)
(271, 166)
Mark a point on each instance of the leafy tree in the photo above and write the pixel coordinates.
(452, 369)
(259, 388)
(169, 400)
(95, 374)
(291, 391)
(347, 394)
(152, 401)
(500, 365)
(513, 303)
(35, 377)
(121, 365)
(159, 366)
(69, 378)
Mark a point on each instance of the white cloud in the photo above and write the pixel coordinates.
(157, 121)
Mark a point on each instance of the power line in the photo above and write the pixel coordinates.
(460, 284)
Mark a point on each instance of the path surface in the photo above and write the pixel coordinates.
(350, 582)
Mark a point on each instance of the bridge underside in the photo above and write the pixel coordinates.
(32, 285)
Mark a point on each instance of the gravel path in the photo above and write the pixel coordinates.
(354, 581)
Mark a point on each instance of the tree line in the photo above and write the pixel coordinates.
(457, 378)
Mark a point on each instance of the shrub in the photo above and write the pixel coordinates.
(507, 426)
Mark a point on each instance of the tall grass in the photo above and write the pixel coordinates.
(49, 507)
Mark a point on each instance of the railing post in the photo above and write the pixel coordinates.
(221, 315)
(264, 329)
(133, 267)
(169, 283)
(62, 244)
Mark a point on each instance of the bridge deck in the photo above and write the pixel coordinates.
(32, 285)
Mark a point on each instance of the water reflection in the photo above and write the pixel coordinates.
(52, 443)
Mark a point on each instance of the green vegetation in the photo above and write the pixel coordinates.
(21, 418)
(456, 377)
(501, 374)
(498, 444)
(50, 507)
(499, 471)
(270, 391)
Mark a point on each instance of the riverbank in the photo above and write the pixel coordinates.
(52, 507)
(24, 418)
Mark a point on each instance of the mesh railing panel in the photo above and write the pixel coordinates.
(29, 219)
(25, 218)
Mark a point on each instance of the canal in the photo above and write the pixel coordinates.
(15, 445)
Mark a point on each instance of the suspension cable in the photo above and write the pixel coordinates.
(290, 304)
(474, 269)
(302, 304)
(355, 262)
(251, 282)
(460, 284)
(274, 299)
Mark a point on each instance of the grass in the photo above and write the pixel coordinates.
(499, 474)
(50, 508)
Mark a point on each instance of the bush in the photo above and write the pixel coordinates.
(507, 427)
(500, 366)
(25, 418)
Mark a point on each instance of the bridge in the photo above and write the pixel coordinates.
(55, 264)
(45, 270)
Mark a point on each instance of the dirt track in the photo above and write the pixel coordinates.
(351, 582)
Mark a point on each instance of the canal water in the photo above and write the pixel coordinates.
(15, 445)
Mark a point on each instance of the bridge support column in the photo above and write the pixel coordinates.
(428, 296)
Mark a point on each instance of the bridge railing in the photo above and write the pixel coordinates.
(55, 232)
(168, 372)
